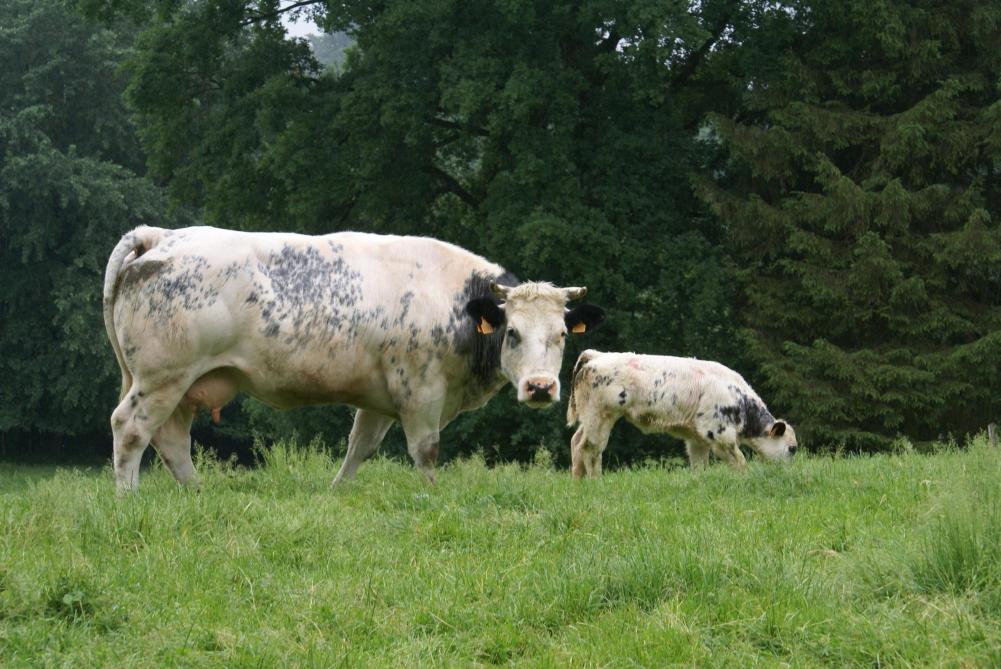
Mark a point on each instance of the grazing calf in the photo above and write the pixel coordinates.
(406, 329)
(709, 406)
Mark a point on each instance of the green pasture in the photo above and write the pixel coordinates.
(891, 560)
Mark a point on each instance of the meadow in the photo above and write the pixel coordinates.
(889, 560)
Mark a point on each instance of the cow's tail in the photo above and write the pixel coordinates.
(575, 378)
(129, 247)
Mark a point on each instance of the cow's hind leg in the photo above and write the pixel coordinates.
(367, 433)
(587, 445)
(173, 442)
(133, 423)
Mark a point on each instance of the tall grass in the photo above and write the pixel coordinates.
(878, 561)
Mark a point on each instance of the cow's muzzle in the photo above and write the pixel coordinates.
(539, 392)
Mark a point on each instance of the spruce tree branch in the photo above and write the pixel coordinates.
(256, 18)
(451, 185)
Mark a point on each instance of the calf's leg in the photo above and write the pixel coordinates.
(730, 451)
(698, 453)
(587, 445)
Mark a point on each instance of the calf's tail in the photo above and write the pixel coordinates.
(575, 378)
(129, 247)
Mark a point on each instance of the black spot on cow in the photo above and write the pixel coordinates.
(233, 270)
(622, 398)
(481, 351)
(252, 298)
(601, 380)
(314, 296)
(414, 342)
(710, 435)
(140, 272)
(405, 301)
(747, 414)
(165, 287)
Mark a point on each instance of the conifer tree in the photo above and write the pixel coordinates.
(861, 200)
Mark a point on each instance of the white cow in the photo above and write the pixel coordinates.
(403, 328)
(709, 406)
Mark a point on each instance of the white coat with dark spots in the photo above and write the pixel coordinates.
(708, 405)
(406, 329)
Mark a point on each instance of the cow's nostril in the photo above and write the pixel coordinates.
(541, 393)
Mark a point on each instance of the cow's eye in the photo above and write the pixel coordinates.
(513, 337)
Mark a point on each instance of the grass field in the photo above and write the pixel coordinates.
(875, 561)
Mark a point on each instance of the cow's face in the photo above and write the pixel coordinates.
(534, 323)
(778, 443)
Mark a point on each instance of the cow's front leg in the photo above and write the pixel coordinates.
(698, 453)
(422, 444)
(730, 451)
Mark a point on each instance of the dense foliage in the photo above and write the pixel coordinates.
(806, 191)
(862, 205)
(69, 160)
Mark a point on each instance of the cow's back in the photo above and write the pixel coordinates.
(300, 319)
(659, 393)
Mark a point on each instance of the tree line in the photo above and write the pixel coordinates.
(806, 191)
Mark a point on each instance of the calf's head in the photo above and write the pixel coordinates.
(534, 322)
(777, 443)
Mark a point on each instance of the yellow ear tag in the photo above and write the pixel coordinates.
(580, 328)
(483, 327)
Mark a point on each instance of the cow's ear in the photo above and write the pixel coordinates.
(583, 318)
(487, 313)
(778, 429)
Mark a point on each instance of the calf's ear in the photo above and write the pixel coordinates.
(583, 318)
(778, 429)
(487, 313)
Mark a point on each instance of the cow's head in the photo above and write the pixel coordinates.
(777, 443)
(534, 322)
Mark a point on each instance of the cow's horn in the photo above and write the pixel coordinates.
(575, 293)
(498, 290)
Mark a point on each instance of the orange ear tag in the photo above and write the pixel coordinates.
(483, 327)
(580, 328)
